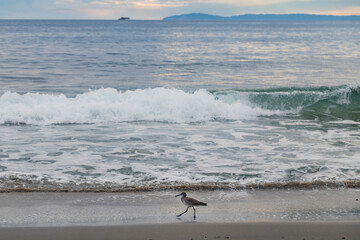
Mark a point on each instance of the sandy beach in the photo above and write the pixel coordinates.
(271, 214)
(103, 122)
(259, 230)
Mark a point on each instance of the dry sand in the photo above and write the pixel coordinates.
(246, 231)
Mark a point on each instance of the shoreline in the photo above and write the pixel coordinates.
(15, 185)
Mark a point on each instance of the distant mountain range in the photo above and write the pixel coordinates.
(264, 17)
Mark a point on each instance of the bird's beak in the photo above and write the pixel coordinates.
(178, 195)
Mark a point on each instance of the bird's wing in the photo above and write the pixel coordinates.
(194, 202)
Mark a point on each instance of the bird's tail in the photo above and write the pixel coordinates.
(203, 204)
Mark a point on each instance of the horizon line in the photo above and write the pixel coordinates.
(157, 19)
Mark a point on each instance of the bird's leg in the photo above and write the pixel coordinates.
(183, 212)
(194, 213)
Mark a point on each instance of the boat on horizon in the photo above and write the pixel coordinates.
(124, 18)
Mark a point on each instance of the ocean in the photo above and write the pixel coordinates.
(159, 105)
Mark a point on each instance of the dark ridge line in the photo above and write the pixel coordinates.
(264, 17)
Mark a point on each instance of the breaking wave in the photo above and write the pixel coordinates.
(323, 103)
(174, 105)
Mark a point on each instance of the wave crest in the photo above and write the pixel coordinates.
(174, 105)
(110, 105)
(321, 103)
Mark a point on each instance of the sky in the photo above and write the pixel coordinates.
(158, 9)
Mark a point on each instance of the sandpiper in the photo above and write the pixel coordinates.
(190, 202)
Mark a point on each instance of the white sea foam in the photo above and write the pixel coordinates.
(110, 105)
(126, 154)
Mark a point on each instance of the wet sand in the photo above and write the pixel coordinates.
(273, 214)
